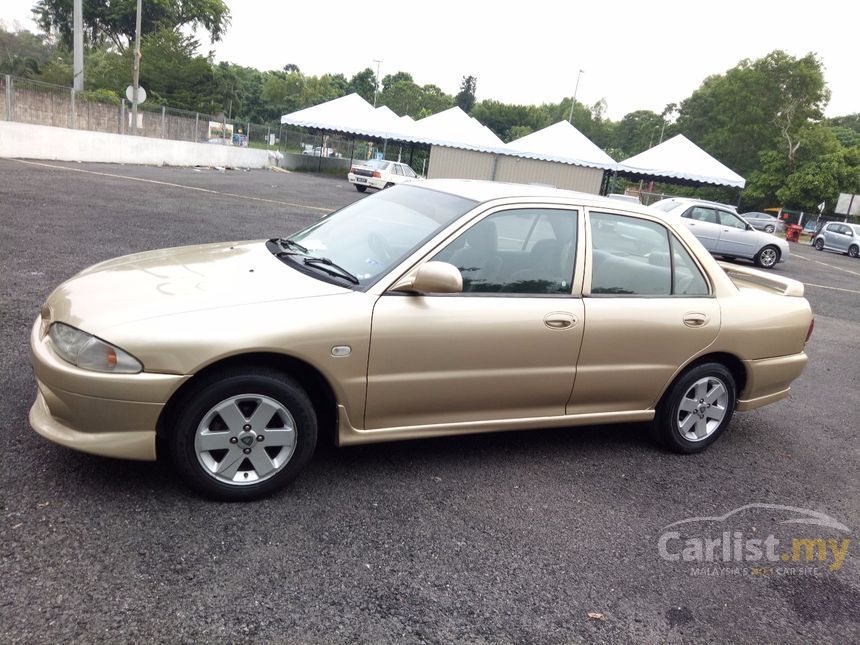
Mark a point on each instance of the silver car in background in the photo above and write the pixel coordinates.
(764, 222)
(725, 233)
(839, 237)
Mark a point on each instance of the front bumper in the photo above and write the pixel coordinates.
(113, 415)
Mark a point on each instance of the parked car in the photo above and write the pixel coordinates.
(378, 173)
(633, 199)
(839, 237)
(319, 151)
(430, 309)
(724, 233)
(764, 222)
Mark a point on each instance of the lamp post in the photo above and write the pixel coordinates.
(376, 84)
(135, 79)
(573, 102)
(78, 45)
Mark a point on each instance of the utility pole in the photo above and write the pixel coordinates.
(135, 81)
(78, 46)
(573, 102)
(376, 84)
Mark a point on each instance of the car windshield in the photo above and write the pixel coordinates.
(372, 235)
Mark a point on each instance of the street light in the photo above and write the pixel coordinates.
(376, 84)
(573, 102)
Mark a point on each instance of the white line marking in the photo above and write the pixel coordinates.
(821, 286)
(832, 266)
(167, 183)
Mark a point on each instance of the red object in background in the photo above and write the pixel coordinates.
(792, 232)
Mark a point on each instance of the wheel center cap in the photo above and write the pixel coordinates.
(247, 439)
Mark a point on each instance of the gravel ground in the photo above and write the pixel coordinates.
(501, 538)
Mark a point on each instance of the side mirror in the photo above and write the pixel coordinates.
(432, 277)
(750, 227)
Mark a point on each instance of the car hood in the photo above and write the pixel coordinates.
(179, 280)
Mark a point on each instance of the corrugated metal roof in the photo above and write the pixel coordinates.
(680, 158)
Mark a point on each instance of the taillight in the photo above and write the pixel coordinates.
(809, 332)
(377, 174)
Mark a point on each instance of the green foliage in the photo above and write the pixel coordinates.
(113, 21)
(465, 98)
(364, 84)
(24, 54)
(637, 132)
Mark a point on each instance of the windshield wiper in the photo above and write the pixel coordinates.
(325, 264)
(290, 244)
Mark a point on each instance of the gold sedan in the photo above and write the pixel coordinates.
(448, 307)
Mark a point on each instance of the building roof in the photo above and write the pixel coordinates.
(680, 158)
(562, 142)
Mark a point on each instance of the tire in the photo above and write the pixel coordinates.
(684, 425)
(360, 188)
(767, 257)
(853, 251)
(770, 228)
(819, 244)
(220, 412)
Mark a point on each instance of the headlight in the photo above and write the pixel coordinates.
(91, 353)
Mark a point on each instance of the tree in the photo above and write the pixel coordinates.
(637, 131)
(389, 80)
(364, 84)
(113, 21)
(403, 97)
(757, 105)
(465, 98)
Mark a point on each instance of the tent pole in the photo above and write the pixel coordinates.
(411, 154)
(322, 141)
(352, 152)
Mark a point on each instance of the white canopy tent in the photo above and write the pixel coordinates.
(681, 160)
(564, 143)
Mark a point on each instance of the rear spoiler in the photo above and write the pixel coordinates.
(747, 276)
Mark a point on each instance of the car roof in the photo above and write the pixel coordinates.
(694, 200)
(485, 191)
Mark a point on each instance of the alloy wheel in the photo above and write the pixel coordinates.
(702, 409)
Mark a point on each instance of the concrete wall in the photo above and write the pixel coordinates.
(468, 164)
(28, 141)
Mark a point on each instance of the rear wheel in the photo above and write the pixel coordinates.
(853, 251)
(767, 257)
(360, 188)
(770, 228)
(819, 244)
(696, 409)
(243, 435)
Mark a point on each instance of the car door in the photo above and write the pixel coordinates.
(736, 239)
(646, 316)
(841, 237)
(504, 348)
(704, 224)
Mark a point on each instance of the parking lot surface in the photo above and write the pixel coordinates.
(502, 538)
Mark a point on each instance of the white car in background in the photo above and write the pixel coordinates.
(379, 174)
(725, 233)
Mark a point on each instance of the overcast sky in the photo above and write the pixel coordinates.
(636, 55)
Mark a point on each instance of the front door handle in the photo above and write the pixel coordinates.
(559, 320)
(696, 319)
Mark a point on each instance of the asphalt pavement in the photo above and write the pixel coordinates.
(521, 537)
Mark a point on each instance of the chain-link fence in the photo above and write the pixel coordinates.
(29, 101)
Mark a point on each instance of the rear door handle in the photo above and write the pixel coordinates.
(559, 320)
(696, 319)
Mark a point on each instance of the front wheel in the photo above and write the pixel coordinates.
(767, 257)
(853, 251)
(696, 409)
(360, 188)
(243, 435)
(770, 228)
